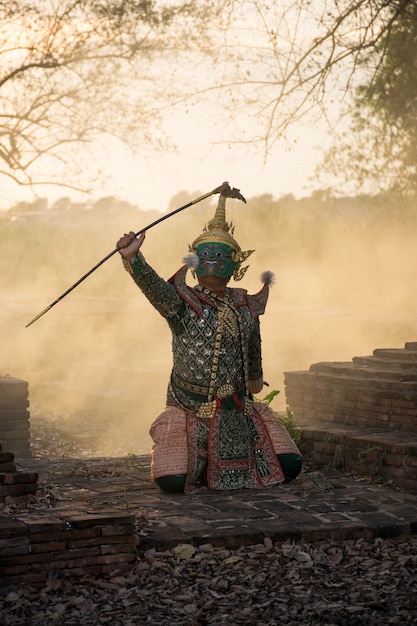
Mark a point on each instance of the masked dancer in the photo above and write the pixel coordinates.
(212, 432)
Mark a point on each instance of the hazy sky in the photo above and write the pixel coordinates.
(151, 182)
(203, 130)
(203, 161)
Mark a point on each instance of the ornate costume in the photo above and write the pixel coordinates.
(211, 430)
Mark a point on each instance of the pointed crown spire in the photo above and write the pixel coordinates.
(218, 230)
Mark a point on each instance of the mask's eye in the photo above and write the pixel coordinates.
(205, 253)
(219, 254)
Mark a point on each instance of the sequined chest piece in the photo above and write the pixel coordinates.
(210, 354)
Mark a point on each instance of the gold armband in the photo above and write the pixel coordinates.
(129, 265)
(255, 386)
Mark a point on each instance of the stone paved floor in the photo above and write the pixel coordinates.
(319, 505)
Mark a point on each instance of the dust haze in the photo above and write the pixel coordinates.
(98, 362)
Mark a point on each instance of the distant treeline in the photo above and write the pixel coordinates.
(319, 208)
(70, 237)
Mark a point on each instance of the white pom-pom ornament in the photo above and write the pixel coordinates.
(191, 261)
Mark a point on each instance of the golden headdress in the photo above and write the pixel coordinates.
(220, 231)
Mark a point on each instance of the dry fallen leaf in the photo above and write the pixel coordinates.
(288, 585)
(232, 559)
(184, 551)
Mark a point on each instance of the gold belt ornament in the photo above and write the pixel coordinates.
(226, 391)
(201, 391)
(207, 410)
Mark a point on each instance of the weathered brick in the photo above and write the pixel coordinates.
(6, 468)
(36, 560)
(37, 579)
(19, 402)
(13, 435)
(39, 526)
(13, 415)
(6, 457)
(48, 546)
(20, 478)
(8, 425)
(99, 559)
(21, 447)
(13, 546)
(12, 569)
(116, 548)
(79, 544)
(125, 529)
(17, 490)
(11, 527)
(12, 387)
(397, 472)
(81, 521)
(65, 534)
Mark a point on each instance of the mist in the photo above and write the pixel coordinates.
(98, 362)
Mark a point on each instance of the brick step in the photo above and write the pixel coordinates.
(349, 369)
(6, 457)
(15, 485)
(387, 457)
(18, 478)
(387, 365)
(396, 354)
(6, 468)
(64, 544)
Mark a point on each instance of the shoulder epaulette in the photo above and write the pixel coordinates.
(257, 302)
(184, 291)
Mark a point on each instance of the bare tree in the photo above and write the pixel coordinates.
(78, 71)
(74, 72)
(296, 60)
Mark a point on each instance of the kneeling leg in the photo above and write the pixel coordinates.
(172, 484)
(291, 465)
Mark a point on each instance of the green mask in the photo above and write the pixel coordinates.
(215, 259)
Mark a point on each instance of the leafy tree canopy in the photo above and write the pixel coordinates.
(378, 151)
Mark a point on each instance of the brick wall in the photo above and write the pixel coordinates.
(361, 415)
(14, 417)
(34, 548)
(379, 391)
(14, 485)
